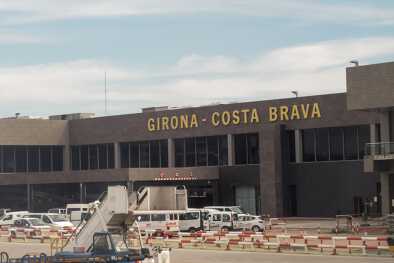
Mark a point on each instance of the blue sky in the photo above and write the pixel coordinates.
(181, 53)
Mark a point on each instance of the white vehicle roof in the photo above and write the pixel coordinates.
(158, 211)
(77, 206)
(17, 212)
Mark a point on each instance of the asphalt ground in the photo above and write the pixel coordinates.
(202, 256)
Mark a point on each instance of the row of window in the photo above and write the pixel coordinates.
(144, 154)
(201, 151)
(331, 144)
(31, 159)
(93, 156)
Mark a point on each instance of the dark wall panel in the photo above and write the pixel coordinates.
(328, 188)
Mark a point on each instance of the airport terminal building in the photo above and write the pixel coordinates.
(306, 156)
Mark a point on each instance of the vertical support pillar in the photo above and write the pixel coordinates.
(271, 170)
(28, 186)
(171, 153)
(230, 150)
(215, 192)
(82, 195)
(117, 155)
(298, 146)
(130, 186)
(66, 158)
(384, 177)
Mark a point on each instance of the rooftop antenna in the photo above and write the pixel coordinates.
(354, 62)
(105, 91)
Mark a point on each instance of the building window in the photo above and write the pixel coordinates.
(22, 159)
(144, 154)
(92, 156)
(179, 145)
(351, 143)
(201, 151)
(308, 145)
(246, 148)
(291, 145)
(334, 144)
(322, 144)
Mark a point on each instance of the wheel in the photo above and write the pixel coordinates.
(256, 229)
(192, 230)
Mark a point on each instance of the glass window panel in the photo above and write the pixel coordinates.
(240, 149)
(93, 157)
(33, 159)
(102, 156)
(164, 153)
(9, 159)
(253, 148)
(190, 152)
(308, 145)
(363, 139)
(351, 149)
(223, 150)
(291, 144)
(144, 151)
(179, 145)
(75, 163)
(134, 155)
(155, 154)
(322, 150)
(45, 158)
(213, 150)
(57, 158)
(84, 157)
(336, 143)
(111, 156)
(124, 155)
(21, 159)
(201, 149)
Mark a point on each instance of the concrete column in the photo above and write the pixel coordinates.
(28, 186)
(66, 158)
(271, 170)
(215, 192)
(230, 150)
(117, 155)
(82, 196)
(130, 186)
(298, 146)
(384, 177)
(171, 153)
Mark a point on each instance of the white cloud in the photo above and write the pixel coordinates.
(15, 38)
(316, 68)
(22, 11)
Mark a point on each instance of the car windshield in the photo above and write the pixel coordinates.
(237, 210)
(36, 222)
(58, 218)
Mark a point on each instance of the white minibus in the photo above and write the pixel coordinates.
(157, 220)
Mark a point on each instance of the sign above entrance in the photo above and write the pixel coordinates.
(236, 117)
(175, 177)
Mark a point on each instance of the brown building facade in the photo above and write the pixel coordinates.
(307, 156)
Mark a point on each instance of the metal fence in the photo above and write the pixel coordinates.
(379, 148)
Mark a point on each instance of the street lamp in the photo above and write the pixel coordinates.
(295, 93)
(354, 62)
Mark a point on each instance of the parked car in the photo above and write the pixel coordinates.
(31, 226)
(56, 221)
(250, 222)
(9, 218)
(4, 211)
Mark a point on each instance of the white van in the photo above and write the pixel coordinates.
(234, 209)
(157, 220)
(77, 212)
(9, 218)
(218, 220)
(193, 220)
(56, 221)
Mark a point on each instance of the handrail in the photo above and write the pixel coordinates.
(379, 148)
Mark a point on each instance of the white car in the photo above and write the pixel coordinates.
(31, 226)
(9, 218)
(233, 209)
(250, 222)
(57, 221)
